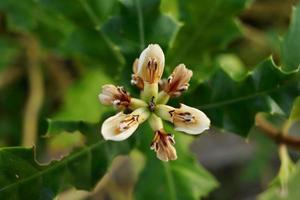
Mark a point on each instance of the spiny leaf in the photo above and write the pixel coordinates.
(68, 28)
(207, 29)
(81, 101)
(140, 23)
(283, 185)
(295, 113)
(291, 43)
(232, 105)
(8, 50)
(183, 178)
(22, 177)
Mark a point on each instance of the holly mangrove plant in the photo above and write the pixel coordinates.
(148, 70)
(164, 71)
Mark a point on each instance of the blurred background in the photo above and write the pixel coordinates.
(54, 59)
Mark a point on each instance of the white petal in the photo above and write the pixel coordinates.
(200, 124)
(105, 99)
(153, 51)
(110, 126)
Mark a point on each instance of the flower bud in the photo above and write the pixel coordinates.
(178, 81)
(135, 79)
(151, 64)
(114, 95)
(162, 144)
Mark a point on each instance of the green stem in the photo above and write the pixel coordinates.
(140, 24)
(155, 122)
(244, 98)
(137, 103)
(162, 98)
(170, 181)
(150, 92)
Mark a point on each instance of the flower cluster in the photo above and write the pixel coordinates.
(147, 73)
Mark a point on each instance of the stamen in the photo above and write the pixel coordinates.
(128, 122)
(152, 105)
(152, 67)
(183, 88)
(171, 112)
(116, 102)
(133, 82)
(185, 117)
(170, 79)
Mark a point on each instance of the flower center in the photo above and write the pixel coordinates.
(152, 105)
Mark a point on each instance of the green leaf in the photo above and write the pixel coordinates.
(8, 50)
(158, 177)
(291, 43)
(274, 120)
(140, 23)
(287, 190)
(294, 118)
(233, 66)
(207, 29)
(232, 105)
(279, 187)
(68, 28)
(21, 176)
(91, 131)
(295, 113)
(183, 178)
(81, 102)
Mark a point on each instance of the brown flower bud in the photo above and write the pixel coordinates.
(178, 81)
(114, 95)
(162, 144)
(135, 79)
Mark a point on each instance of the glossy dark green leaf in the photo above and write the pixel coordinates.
(66, 27)
(280, 187)
(289, 189)
(183, 178)
(22, 177)
(90, 131)
(295, 113)
(232, 105)
(81, 101)
(138, 24)
(274, 120)
(8, 50)
(291, 43)
(207, 29)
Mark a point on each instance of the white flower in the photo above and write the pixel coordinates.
(186, 119)
(151, 64)
(147, 72)
(121, 126)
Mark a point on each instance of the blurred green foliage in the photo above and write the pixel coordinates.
(85, 44)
